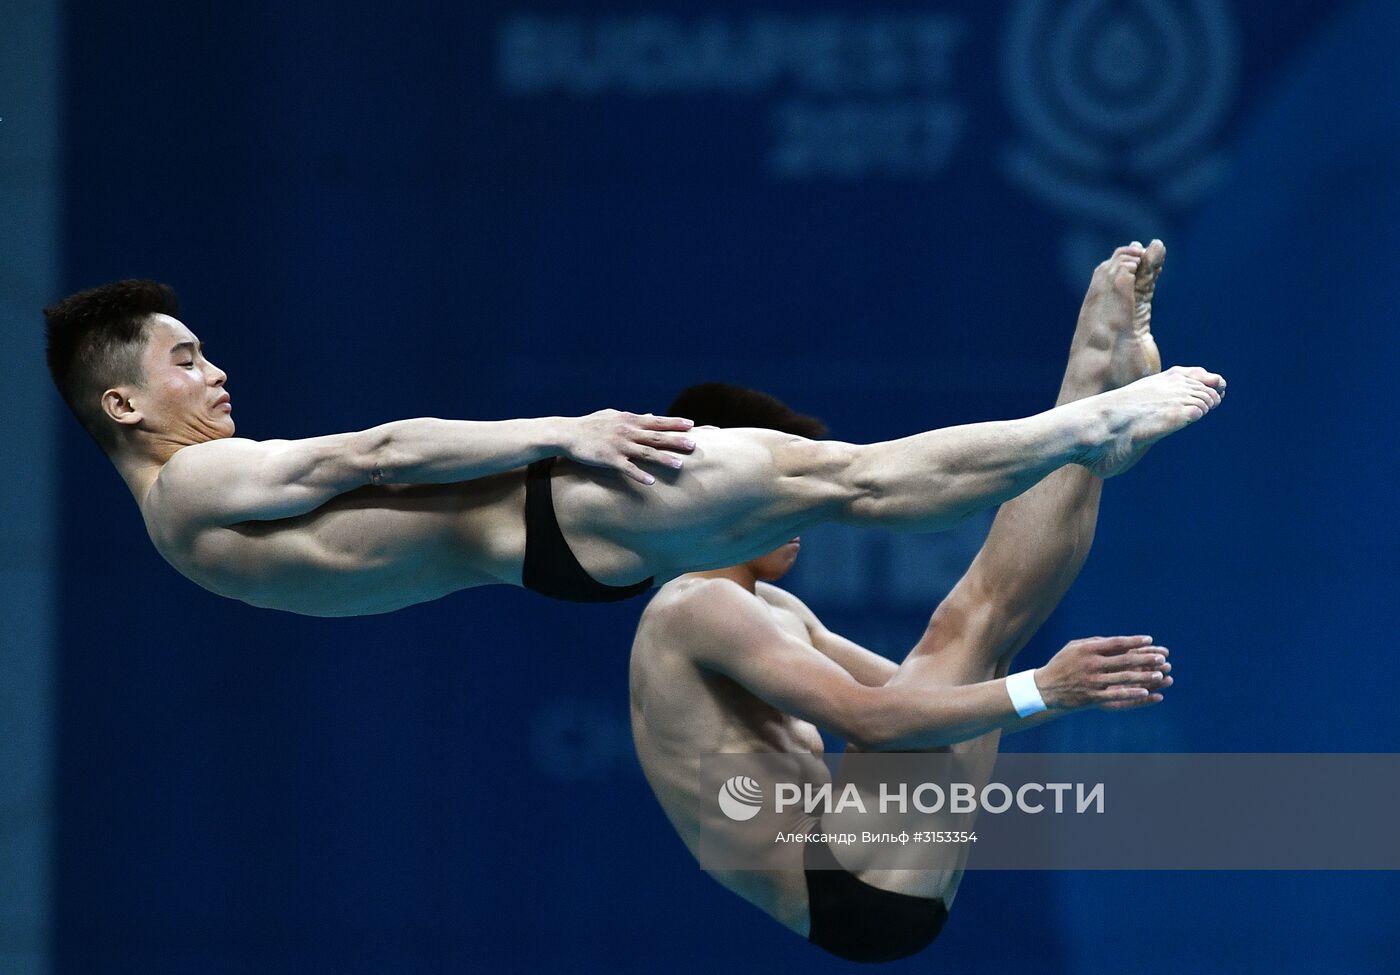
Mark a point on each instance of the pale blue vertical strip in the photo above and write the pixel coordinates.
(30, 184)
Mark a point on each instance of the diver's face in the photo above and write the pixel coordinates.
(777, 563)
(182, 397)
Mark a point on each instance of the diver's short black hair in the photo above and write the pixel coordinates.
(95, 339)
(727, 405)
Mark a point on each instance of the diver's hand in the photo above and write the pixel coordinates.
(611, 438)
(1114, 673)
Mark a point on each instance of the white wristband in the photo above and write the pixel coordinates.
(1025, 696)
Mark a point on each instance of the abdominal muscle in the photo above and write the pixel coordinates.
(372, 550)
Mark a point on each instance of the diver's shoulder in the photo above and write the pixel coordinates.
(189, 474)
(208, 451)
(782, 599)
(682, 599)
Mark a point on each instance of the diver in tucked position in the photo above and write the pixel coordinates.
(368, 522)
(724, 662)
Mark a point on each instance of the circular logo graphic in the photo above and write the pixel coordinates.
(1149, 79)
(740, 798)
(1119, 104)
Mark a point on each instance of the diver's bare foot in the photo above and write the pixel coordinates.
(1135, 352)
(1145, 411)
(1109, 349)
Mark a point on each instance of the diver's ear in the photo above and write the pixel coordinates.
(118, 405)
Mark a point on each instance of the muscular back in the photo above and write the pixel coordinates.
(681, 708)
(682, 712)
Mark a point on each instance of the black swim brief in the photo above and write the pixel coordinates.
(858, 922)
(550, 567)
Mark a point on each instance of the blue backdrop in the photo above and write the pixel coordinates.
(886, 217)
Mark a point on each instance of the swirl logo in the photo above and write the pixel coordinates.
(740, 798)
(1118, 103)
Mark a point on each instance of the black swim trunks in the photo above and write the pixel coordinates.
(550, 567)
(858, 922)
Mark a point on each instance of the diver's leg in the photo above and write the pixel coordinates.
(1036, 547)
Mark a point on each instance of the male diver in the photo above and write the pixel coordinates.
(371, 521)
(724, 662)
